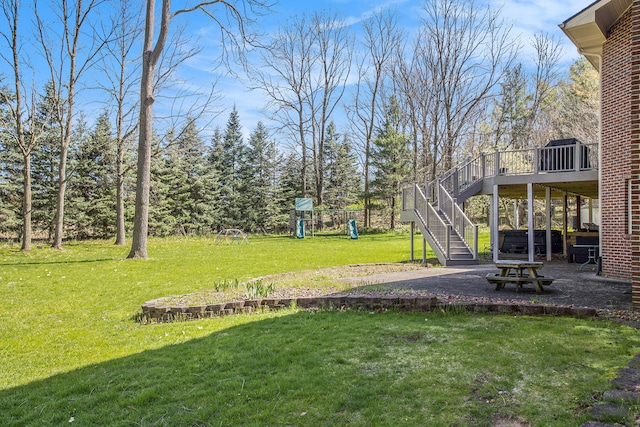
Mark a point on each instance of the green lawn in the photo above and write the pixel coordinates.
(70, 351)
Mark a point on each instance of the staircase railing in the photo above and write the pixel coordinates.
(467, 230)
(443, 195)
(413, 198)
(439, 229)
(464, 175)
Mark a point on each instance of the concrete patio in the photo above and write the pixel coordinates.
(571, 287)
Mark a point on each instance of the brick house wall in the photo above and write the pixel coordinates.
(616, 146)
(635, 151)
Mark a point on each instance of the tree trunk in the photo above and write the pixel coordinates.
(62, 186)
(26, 204)
(367, 199)
(120, 228)
(303, 172)
(393, 213)
(143, 181)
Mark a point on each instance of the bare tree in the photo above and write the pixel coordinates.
(304, 72)
(230, 13)
(120, 79)
(414, 79)
(380, 44)
(547, 51)
(67, 66)
(283, 74)
(22, 125)
(577, 108)
(334, 47)
(469, 48)
(518, 117)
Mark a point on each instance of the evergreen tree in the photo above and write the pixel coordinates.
(265, 200)
(161, 219)
(192, 183)
(11, 192)
(44, 167)
(229, 158)
(511, 115)
(343, 182)
(214, 159)
(91, 210)
(391, 159)
(290, 187)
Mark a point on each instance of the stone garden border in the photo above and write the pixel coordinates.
(157, 311)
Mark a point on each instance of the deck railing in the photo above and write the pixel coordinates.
(566, 158)
(443, 194)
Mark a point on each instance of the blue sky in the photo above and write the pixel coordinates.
(528, 17)
(197, 75)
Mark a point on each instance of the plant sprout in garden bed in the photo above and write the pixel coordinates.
(287, 285)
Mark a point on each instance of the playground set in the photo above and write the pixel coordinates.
(231, 236)
(304, 216)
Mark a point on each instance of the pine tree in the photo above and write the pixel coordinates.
(192, 184)
(91, 208)
(161, 220)
(11, 192)
(44, 167)
(229, 157)
(512, 113)
(391, 159)
(265, 200)
(290, 186)
(343, 181)
(290, 182)
(214, 163)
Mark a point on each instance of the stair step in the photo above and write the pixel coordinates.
(455, 262)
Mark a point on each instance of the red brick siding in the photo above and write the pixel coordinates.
(615, 150)
(635, 152)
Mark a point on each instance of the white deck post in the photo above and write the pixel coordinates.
(577, 157)
(495, 239)
(549, 247)
(424, 250)
(413, 226)
(565, 226)
(531, 228)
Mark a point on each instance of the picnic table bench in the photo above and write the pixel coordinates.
(518, 272)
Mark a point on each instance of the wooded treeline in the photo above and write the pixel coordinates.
(198, 185)
(353, 113)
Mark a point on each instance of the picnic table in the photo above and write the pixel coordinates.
(518, 272)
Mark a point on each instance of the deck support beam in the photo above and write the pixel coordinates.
(547, 227)
(424, 250)
(530, 223)
(565, 222)
(495, 219)
(413, 229)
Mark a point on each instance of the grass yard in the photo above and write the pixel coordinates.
(70, 352)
